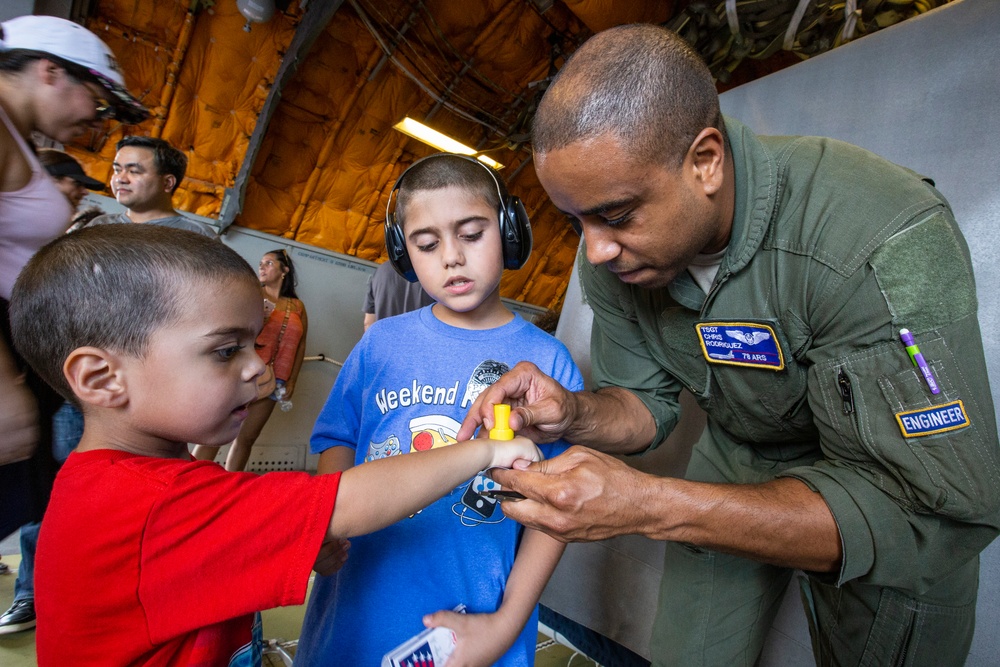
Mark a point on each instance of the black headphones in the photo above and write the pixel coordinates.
(515, 228)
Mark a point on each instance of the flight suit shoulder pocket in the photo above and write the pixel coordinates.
(933, 440)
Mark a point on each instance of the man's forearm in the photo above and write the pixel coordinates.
(782, 522)
(611, 420)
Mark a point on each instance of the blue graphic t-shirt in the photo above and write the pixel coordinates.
(406, 387)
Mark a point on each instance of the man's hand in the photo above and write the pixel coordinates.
(584, 495)
(18, 423)
(580, 496)
(540, 408)
(332, 556)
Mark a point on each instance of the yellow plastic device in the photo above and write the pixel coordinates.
(501, 420)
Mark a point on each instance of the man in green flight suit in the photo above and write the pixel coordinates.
(770, 277)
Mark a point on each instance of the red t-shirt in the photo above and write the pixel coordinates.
(149, 561)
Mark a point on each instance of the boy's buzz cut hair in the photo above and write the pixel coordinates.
(446, 171)
(110, 287)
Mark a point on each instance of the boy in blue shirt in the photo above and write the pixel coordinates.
(406, 387)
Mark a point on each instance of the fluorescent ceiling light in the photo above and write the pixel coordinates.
(421, 132)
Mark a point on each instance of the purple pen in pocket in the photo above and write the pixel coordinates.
(918, 360)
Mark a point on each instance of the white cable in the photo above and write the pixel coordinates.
(793, 25)
(420, 84)
(323, 357)
(850, 21)
(734, 21)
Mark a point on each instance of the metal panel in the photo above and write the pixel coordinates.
(14, 8)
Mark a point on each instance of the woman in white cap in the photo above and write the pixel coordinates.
(58, 79)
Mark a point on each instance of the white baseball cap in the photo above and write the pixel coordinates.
(65, 43)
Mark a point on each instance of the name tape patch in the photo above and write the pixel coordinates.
(935, 419)
(740, 344)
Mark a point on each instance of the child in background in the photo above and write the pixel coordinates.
(146, 557)
(405, 388)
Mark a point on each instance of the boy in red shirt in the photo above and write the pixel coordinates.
(146, 557)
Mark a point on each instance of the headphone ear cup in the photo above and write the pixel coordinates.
(395, 244)
(515, 230)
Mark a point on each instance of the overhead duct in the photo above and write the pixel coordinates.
(255, 11)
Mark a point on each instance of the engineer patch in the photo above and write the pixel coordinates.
(935, 419)
(740, 344)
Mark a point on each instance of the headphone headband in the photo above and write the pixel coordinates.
(515, 228)
(501, 189)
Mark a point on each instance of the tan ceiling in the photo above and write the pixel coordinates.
(321, 156)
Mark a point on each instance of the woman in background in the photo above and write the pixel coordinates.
(59, 80)
(281, 344)
(73, 182)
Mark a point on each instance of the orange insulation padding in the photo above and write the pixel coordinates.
(329, 153)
